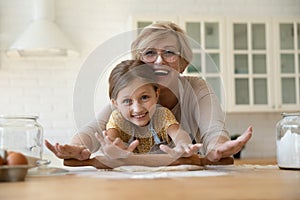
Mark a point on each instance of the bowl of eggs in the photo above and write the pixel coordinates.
(13, 166)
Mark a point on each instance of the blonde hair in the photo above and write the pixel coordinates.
(157, 31)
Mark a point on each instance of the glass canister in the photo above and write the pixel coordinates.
(288, 141)
(22, 134)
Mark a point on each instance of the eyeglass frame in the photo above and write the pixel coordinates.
(160, 53)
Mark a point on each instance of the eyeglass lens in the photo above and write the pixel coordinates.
(151, 55)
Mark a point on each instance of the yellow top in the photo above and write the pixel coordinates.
(160, 121)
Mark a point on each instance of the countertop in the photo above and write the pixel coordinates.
(246, 179)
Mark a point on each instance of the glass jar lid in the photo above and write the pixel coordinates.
(33, 117)
(285, 114)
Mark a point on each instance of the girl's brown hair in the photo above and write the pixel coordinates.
(127, 71)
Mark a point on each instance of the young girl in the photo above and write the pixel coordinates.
(138, 120)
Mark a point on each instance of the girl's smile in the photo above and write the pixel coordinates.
(137, 102)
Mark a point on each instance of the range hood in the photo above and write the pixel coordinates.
(42, 38)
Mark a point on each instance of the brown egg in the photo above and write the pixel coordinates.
(15, 158)
(3, 155)
(1, 161)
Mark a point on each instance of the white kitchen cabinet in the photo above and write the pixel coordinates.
(139, 22)
(207, 45)
(252, 64)
(288, 59)
(250, 67)
(264, 56)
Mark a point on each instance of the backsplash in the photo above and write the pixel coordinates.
(44, 87)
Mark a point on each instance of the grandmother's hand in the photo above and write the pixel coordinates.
(68, 151)
(230, 147)
(117, 148)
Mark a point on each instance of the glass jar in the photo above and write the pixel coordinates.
(22, 134)
(288, 141)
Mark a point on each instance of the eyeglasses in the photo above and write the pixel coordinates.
(151, 55)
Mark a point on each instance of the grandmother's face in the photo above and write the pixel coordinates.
(164, 51)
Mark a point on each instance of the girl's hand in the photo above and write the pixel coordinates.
(230, 147)
(67, 151)
(181, 150)
(115, 149)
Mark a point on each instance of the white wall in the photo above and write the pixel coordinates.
(45, 87)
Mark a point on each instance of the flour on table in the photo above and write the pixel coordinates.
(135, 168)
(144, 172)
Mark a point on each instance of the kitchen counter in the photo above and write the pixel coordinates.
(246, 179)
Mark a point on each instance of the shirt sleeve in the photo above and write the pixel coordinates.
(86, 135)
(168, 118)
(113, 121)
(201, 107)
(163, 119)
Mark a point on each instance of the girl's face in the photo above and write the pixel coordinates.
(137, 104)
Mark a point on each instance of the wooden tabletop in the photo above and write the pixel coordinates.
(259, 181)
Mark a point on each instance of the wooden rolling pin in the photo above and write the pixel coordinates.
(151, 160)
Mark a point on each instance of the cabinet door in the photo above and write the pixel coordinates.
(139, 22)
(289, 65)
(250, 67)
(206, 44)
